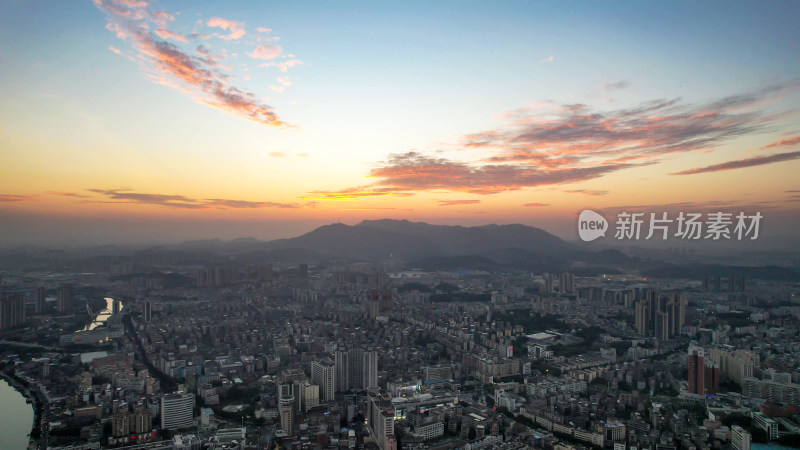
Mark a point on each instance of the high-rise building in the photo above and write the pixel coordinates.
(120, 424)
(41, 297)
(379, 302)
(291, 392)
(660, 316)
(566, 283)
(342, 381)
(124, 423)
(12, 311)
(717, 283)
(549, 283)
(380, 413)
(64, 298)
(740, 438)
(177, 411)
(309, 395)
(287, 407)
(735, 365)
(696, 370)
(355, 368)
(323, 374)
(148, 310)
(711, 376)
(370, 368)
(286, 413)
(303, 270)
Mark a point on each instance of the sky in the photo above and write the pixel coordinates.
(155, 121)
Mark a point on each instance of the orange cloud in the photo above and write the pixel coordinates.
(181, 201)
(198, 77)
(167, 34)
(66, 194)
(356, 193)
(563, 144)
(587, 192)
(457, 202)
(786, 142)
(13, 198)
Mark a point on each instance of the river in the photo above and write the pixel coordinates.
(16, 418)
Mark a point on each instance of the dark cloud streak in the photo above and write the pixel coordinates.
(742, 163)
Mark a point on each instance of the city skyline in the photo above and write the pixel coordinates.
(136, 121)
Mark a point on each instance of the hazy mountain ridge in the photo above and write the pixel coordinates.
(489, 247)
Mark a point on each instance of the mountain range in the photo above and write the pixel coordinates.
(432, 247)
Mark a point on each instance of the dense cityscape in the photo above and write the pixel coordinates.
(416, 225)
(188, 348)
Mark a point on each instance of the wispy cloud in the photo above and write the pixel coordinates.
(13, 198)
(375, 209)
(554, 144)
(595, 193)
(457, 202)
(284, 66)
(578, 134)
(412, 171)
(200, 77)
(535, 205)
(183, 202)
(356, 193)
(694, 206)
(66, 194)
(549, 59)
(227, 203)
(616, 86)
(742, 163)
(783, 143)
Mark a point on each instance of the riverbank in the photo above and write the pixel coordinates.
(34, 398)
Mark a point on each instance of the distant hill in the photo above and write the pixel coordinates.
(381, 240)
(436, 247)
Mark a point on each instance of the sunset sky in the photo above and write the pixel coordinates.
(135, 121)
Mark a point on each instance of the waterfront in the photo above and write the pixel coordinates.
(16, 418)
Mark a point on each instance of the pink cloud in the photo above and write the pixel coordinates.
(201, 78)
(265, 51)
(236, 28)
